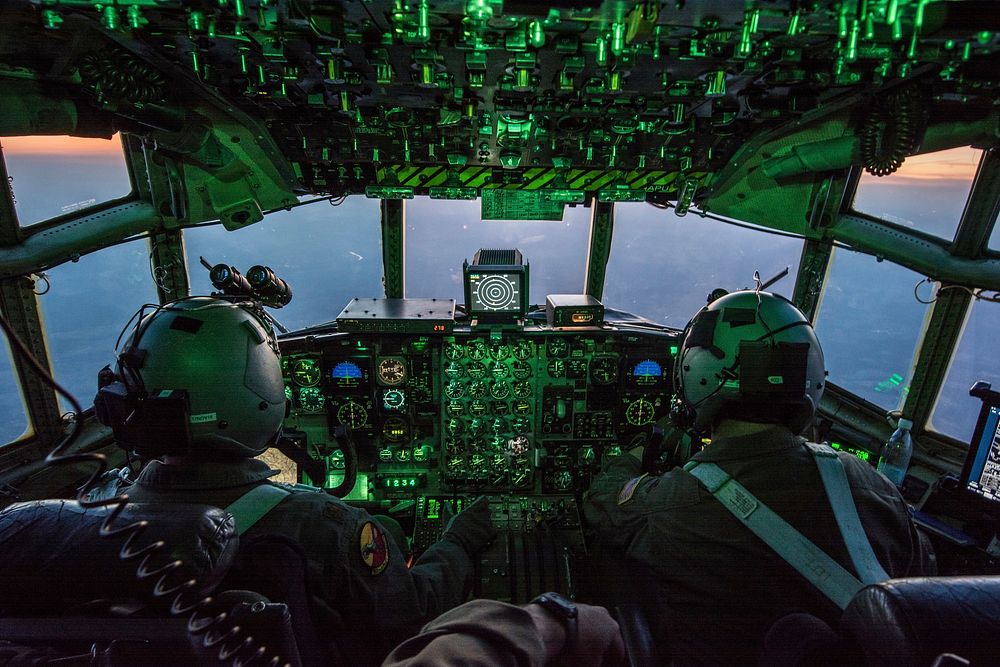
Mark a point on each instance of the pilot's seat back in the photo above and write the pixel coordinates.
(69, 587)
(918, 622)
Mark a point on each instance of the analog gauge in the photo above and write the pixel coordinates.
(453, 426)
(393, 399)
(523, 350)
(520, 475)
(517, 446)
(476, 370)
(500, 408)
(385, 455)
(454, 370)
(639, 412)
(391, 371)
(604, 370)
(453, 446)
(477, 389)
(288, 393)
(499, 371)
(477, 350)
(521, 370)
(310, 399)
(454, 390)
(395, 429)
(455, 408)
(521, 425)
(522, 408)
(498, 425)
(404, 455)
(500, 352)
(421, 454)
(453, 351)
(500, 390)
(336, 459)
(557, 347)
(556, 368)
(522, 389)
(563, 480)
(455, 467)
(586, 456)
(352, 414)
(306, 372)
(478, 408)
(476, 426)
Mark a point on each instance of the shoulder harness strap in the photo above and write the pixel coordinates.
(838, 491)
(254, 505)
(810, 561)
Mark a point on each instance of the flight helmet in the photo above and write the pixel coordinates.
(198, 376)
(751, 356)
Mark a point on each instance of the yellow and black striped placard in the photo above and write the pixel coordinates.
(534, 178)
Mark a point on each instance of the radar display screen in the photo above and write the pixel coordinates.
(981, 474)
(495, 292)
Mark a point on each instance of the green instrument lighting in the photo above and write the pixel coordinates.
(674, 350)
(836, 445)
(388, 192)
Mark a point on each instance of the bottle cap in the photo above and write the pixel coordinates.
(905, 424)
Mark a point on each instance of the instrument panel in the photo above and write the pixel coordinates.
(500, 410)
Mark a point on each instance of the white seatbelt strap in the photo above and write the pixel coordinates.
(810, 561)
(838, 491)
(254, 505)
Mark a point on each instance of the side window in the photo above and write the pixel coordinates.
(85, 308)
(869, 323)
(52, 176)
(663, 267)
(13, 413)
(975, 359)
(927, 193)
(333, 256)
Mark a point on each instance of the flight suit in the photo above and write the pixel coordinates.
(363, 596)
(715, 586)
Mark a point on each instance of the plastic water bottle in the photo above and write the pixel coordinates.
(896, 453)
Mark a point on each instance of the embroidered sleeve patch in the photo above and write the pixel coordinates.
(374, 549)
(628, 490)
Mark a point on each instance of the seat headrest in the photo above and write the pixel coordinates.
(912, 621)
(52, 555)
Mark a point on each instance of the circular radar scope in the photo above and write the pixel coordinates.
(498, 292)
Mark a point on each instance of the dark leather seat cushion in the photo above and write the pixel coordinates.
(53, 556)
(912, 621)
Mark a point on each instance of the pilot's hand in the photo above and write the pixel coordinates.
(472, 528)
(598, 641)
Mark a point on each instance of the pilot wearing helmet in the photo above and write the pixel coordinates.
(732, 541)
(198, 386)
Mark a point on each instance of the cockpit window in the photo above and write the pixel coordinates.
(86, 306)
(663, 267)
(994, 243)
(13, 416)
(440, 235)
(956, 411)
(52, 176)
(869, 323)
(328, 254)
(927, 193)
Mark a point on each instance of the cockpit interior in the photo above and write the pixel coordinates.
(481, 227)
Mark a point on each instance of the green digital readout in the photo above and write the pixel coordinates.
(862, 454)
(402, 482)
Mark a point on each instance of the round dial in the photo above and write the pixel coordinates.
(454, 370)
(517, 446)
(521, 425)
(476, 370)
(500, 352)
(453, 427)
(455, 466)
(556, 368)
(478, 408)
(521, 370)
(522, 408)
(310, 399)
(522, 389)
(395, 429)
(500, 390)
(393, 399)
(520, 475)
(337, 459)
(477, 389)
(639, 412)
(523, 350)
(456, 408)
(563, 480)
(453, 352)
(385, 455)
(604, 370)
(477, 350)
(306, 372)
(391, 371)
(499, 370)
(454, 390)
(352, 414)
(498, 425)
(557, 347)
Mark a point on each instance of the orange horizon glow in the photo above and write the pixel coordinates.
(954, 164)
(62, 145)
